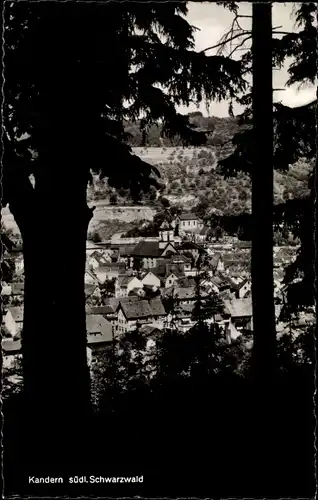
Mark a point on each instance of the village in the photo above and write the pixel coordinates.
(151, 284)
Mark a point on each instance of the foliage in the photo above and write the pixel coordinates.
(294, 142)
(95, 237)
(113, 199)
(208, 304)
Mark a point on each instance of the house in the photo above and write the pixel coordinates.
(150, 279)
(97, 259)
(109, 271)
(90, 278)
(183, 295)
(92, 292)
(133, 312)
(112, 303)
(19, 264)
(217, 283)
(107, 311)
(188, 222)
(125, 255)
(148, 252)
(240, 311)
(150, 331)
(190, 248)
(202, 235)
(92, 247)
(100, 335)
(17, 293)
(181, 260)
(216, 263)
(243, 288)
(187, 282)
(6, 290)
(181, 318)
(125, 284)
(171, 279)
(11, 352)
(13, 321)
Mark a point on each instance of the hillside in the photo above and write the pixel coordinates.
(190, 174)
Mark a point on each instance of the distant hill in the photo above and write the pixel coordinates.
(220, 130)
(191, 176)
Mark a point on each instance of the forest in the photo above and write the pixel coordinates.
(192, 413)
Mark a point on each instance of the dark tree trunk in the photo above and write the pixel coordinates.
(262, 195)
(56, 376)
(264, 442)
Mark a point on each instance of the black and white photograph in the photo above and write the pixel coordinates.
(158, 218)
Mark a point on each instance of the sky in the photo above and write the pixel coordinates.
(214, 21)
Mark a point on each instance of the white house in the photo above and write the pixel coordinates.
(170, 280)
(135, 311)
(150, 279)
(188, 222)
(243, 288)
(13, 320)
(97, 259)
(125, 284)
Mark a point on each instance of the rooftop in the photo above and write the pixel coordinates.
(17, 288)
(96, 323)
(181, 293)
(11, 346)
(103, 310)
(124, 280)
(188, 216)
(147, 249)
(138, 309)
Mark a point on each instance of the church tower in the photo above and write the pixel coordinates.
(166, 234)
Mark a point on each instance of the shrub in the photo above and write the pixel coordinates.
(95, 237)
(113, 199)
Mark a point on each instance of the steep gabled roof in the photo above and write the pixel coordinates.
(103, 310)
(113, 303)
(89, 289)
(124, 280)
(147, 249)
(182, 259)
(188, 216)
(148, 330)
(140, 309)
(11, 346)
(96, 323)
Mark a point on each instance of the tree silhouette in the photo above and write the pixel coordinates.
(63, 115)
